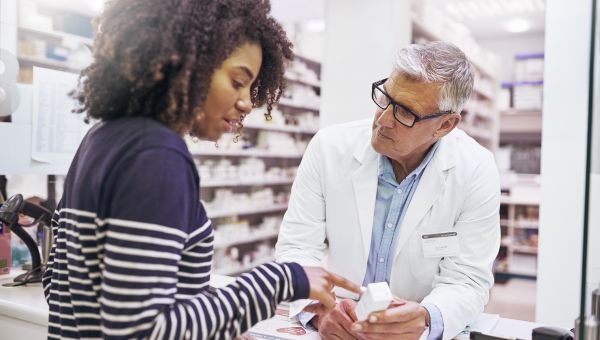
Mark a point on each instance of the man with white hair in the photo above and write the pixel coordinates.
(405, 198)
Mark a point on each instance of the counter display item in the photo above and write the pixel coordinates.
(590, 328)
(596, 302)
(5, 249)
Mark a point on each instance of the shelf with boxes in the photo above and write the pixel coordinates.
(519, 223)
(52, 38)
(245, 181)
(521, 104)
(480, 116)
(248, 183)
(241, 244)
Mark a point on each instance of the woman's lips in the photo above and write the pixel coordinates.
(231, 124)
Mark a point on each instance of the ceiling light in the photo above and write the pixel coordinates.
(475, 9)
(517, 25)
(97, 6)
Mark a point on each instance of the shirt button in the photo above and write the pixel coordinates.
(381, 259)
(399, 190)
(389, 226)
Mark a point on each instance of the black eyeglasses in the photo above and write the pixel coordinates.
(402, 114)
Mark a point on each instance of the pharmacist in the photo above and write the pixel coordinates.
(405, 198)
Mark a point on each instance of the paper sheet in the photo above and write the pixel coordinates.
(56, 130)
(281, 327)
(485, 323)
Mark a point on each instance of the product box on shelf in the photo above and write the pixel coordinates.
(5, 249)
(529, 66)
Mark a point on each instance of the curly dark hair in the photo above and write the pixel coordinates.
(155, 58)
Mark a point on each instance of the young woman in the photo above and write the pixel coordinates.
(132, 242)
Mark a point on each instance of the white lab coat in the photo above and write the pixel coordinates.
(329, 220)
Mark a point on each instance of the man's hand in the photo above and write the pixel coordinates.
(405, 320)
(337, 323)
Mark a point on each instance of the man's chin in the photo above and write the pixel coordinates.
(376, 144)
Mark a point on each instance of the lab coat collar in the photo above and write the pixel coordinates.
(431, 186)
(364, 181)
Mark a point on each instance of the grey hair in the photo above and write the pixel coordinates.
(439, 62)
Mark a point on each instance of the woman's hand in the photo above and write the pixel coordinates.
(322, 283)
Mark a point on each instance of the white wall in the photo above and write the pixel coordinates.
(361, 39)
(567, 45)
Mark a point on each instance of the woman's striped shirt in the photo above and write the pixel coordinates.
(133, 247)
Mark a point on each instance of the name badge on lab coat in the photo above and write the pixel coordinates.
(440, 244)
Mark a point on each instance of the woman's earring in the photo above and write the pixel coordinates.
(198, 114)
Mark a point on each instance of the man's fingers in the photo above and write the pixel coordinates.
(345, 283)
(369, 329)
(373, 328)
(348, 307)
(396, 302)
(316, 308)
(401, 313)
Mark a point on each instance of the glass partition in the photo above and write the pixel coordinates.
(591, 261)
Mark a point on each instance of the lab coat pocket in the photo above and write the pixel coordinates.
(423, 268)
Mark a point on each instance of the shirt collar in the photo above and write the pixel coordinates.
(386, 172)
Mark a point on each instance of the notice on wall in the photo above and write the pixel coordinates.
(56, 130)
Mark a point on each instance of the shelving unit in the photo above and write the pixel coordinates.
(480, 117)
(291, 105)
(239, 270)
(247, 183)
(57, 35)
(518, 249)
(521, 117)
(521, 122)
(257, 236)
(247, 153)
(25, 60)
(249, 211)
(281, 128)
(40, 43)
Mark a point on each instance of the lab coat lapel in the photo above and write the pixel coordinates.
(427, 193)
(364, 182)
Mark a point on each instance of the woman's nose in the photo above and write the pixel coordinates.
(244, 106)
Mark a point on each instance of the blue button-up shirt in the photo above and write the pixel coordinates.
(392, 201)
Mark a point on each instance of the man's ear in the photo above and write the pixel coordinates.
(448, 124)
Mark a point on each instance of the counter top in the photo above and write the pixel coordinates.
(27, 304)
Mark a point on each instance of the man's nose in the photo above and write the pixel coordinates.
(386, 118)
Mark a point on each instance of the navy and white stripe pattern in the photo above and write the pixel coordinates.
(123, 270)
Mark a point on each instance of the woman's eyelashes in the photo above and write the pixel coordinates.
(238, 83)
